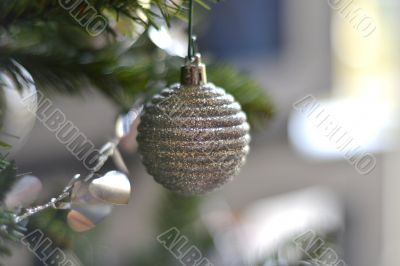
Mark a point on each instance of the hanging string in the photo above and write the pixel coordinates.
(190, 31)
(194, 45)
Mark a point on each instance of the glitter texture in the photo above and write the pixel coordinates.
(193, 139)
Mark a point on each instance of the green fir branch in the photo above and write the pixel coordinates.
(19, 12)
(63, 60)
(8, 173)
(9, 230)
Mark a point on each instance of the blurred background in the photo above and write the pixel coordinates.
(344, 54)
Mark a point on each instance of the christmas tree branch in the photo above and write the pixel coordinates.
(62, 57)
(9, 230)
(147, 12)
(8, 174)
(65, 60)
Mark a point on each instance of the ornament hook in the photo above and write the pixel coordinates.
(193, 73)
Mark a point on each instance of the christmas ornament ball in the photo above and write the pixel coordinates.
(193, 136)
(18, 103)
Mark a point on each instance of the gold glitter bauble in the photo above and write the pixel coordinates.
(193, 137)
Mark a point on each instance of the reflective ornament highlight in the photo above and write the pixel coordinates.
(113, 187)
(91, 209)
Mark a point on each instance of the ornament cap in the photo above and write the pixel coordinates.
(193, 72)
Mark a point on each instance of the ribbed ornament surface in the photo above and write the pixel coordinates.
(193, 139)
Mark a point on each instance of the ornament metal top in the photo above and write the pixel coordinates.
(193, 136)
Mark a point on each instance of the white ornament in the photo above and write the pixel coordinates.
(24, 192)
(18, 107)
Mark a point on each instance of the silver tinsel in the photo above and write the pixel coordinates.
(193, 136)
